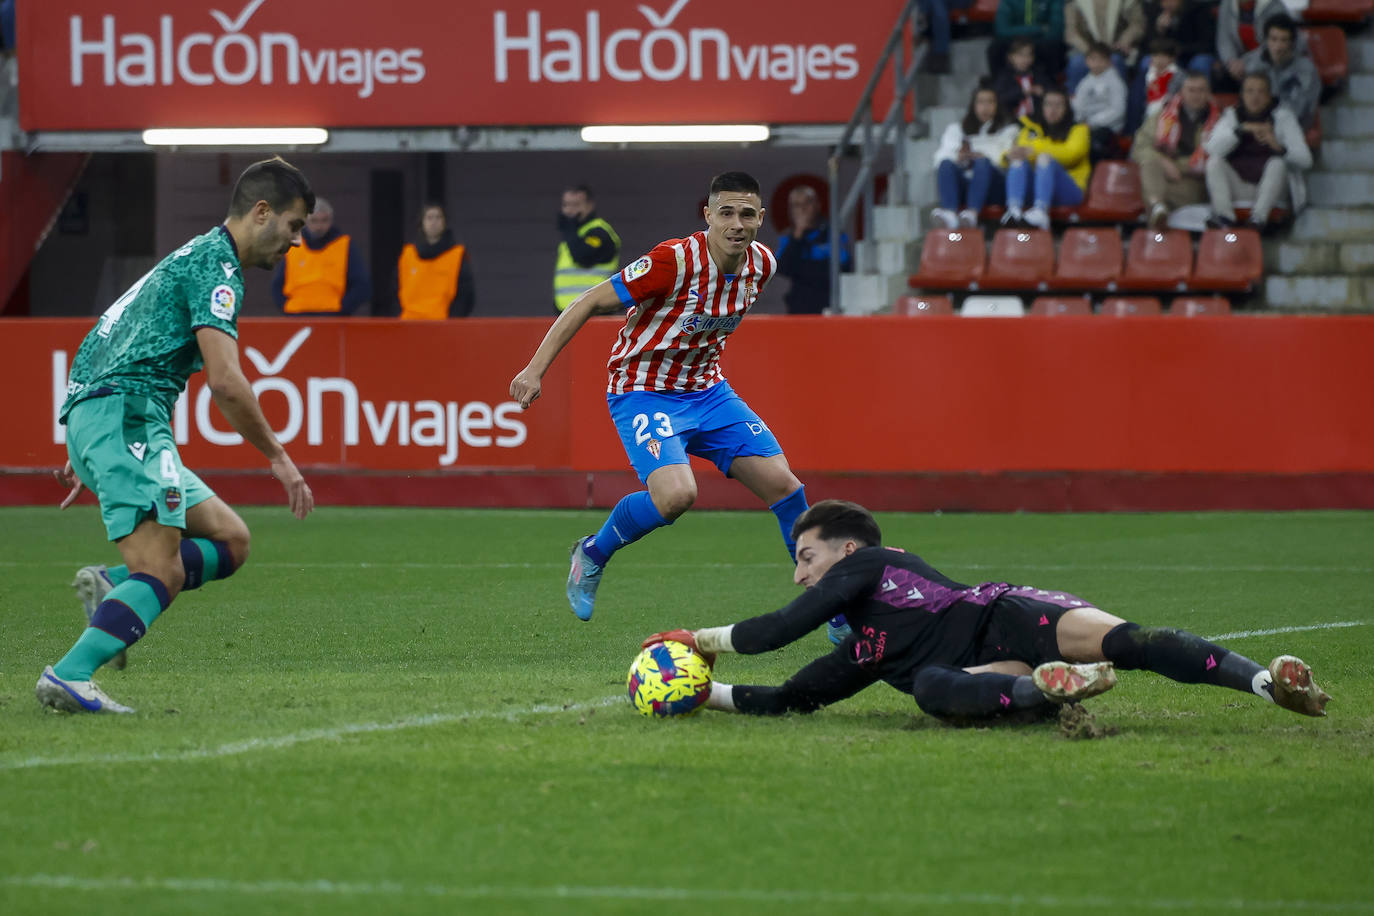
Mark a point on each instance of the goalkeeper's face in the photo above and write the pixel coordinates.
(815, 556)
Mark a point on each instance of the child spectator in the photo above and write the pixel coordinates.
(967, 164)
(1059, 150)
(1020, 83)
(1100, 102)
(1119, 24)
(1162, 75)
(1041, 21)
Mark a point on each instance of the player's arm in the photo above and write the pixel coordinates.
(765, 632)
(235, 399)
(826, 680)
(602, 299)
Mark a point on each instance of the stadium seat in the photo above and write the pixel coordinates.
(1021, 259)
(1113, 193)
(980, 11)
(1228, 259)
(1350, 12)
(950, 259)
(1159, 260)
(993, 307)
(1062, 305)
(915, 306)
(1129, 306)
(1326, 44)
(1088, 259)
(1193, 306)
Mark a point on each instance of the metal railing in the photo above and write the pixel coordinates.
(873, 137)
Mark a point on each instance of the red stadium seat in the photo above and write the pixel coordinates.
(951, 259)
(1130, 306)
(980, 11)
(1113, 193)
(915, 306)
(1062, 305)
(1326, 44)
(1193, 306)
(1159, 260)
(1021, 259)
(1088, 259)
(1228, 259)
(1351, 12)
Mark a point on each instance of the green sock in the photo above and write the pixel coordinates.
(118, 574)
(120, 621)
(204, 561)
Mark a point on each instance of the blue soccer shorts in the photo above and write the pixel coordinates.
(659, 428)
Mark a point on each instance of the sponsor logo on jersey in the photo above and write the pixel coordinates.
(173, 498)
(138, 449)
(654, 447)
(695, 323)
(222, 301)
(638, 269)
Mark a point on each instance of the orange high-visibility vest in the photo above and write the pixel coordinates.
(316, 280)
(426, 287)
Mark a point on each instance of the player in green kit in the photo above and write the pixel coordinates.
(172, 531)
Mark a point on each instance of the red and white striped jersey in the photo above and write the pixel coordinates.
(681, 310)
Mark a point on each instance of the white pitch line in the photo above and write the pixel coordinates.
(316, 734)
(328, 888)
(1244, 634)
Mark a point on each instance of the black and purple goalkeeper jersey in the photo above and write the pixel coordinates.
(905, 615)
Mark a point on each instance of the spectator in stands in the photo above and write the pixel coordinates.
(1041, 21)
(1020, 83)
(1291, 71)
(1057, 149)
(325, 274)
(1240, 23)
(803, 254)
(1191, 23)
(1119, 24)
(1256, 151)
(937, 21)
(968, 162)
(1169, 147)
(1100, 102)
(433, 277)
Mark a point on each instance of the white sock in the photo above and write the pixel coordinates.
(1262, 684)
(722, 697)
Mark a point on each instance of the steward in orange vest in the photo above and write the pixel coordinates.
(434, 277)
(325, 274)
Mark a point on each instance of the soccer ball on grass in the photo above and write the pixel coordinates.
(668, 679)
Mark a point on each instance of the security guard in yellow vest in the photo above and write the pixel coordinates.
(433, 274)
(589, 252)
(325, 274)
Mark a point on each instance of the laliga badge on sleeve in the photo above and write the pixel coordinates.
(638, 269)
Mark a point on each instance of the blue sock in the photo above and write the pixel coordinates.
(787, 510)
(632, 518)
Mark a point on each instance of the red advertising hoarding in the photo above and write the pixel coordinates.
(135, 64)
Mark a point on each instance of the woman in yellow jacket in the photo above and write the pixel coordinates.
(1057, 149)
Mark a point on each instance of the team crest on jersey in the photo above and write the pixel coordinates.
(222, 302)
(655, 448)
(638, 269)
(173, 498)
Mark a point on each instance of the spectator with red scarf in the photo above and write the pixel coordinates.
(1169, 149)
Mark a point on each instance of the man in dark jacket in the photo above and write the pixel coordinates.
(804, 254)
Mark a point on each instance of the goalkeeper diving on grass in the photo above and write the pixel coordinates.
(966, 653)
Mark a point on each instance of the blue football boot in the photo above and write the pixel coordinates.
(583, 578)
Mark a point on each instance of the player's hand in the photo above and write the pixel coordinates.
(298, 494)
(67, 477)
(524, 388)
(686, 637)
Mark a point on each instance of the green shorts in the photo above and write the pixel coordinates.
(122, 448)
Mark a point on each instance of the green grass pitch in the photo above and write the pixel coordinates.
(394, 711)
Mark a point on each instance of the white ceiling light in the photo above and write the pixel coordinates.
(675, 133)
(236, 136)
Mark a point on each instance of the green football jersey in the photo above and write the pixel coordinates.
(145, 344)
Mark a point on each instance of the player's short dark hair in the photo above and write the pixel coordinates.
(839, 519)
(1283, 23)
(274, 180)
(735, 181)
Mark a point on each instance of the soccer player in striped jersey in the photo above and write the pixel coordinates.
(667, 395)
(966, 653)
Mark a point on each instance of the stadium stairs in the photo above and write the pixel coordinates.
(1323, 263)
